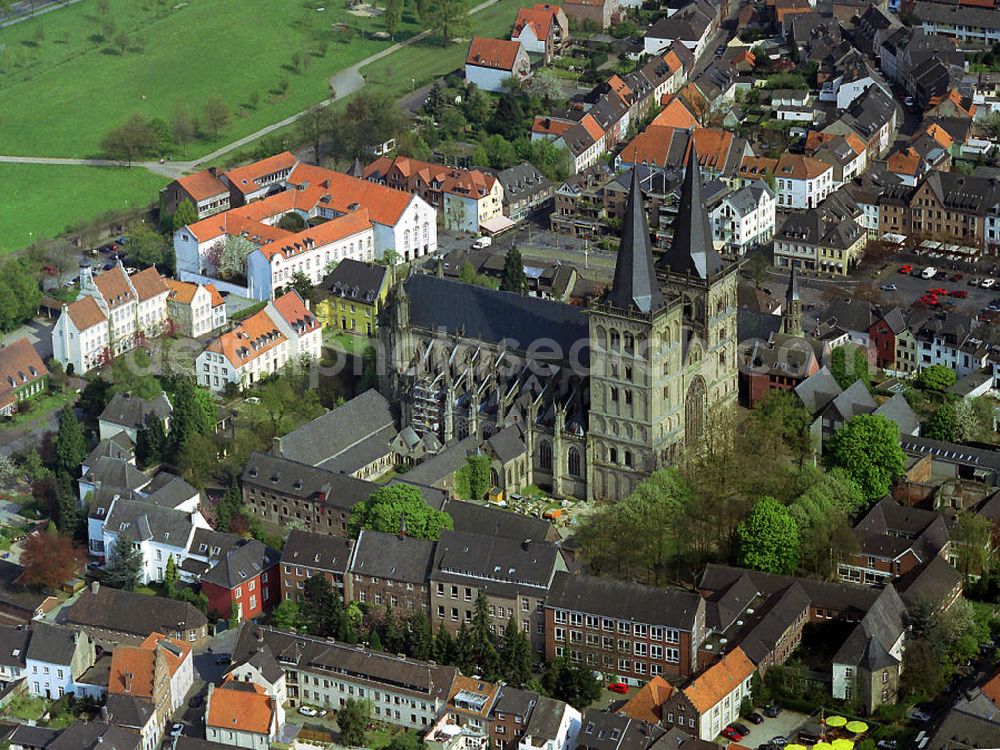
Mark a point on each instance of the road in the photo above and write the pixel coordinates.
(22, 11)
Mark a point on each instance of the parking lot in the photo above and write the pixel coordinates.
(783, 725)
(910, 289)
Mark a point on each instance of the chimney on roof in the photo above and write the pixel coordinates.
(402, 525)
(95, 586)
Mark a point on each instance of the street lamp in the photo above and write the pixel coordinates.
(413, 85)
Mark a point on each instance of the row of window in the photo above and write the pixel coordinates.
(638, 629)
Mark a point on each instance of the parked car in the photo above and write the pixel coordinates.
(108, 266)
(196, 701)
(909, 101)
(941, 275)
(755, 718)
(973, 282)
(779, 741)
(741, 728)
(956, 277)
(176, 729)
(919, 715)
(960, 293)
(308, 711)
(732, 733)
(888, 287)
(886, 745)
(988, 283)
(907, 269)
(618, 687)
(772, 711)
(222, 658)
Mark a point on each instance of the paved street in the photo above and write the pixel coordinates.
(38, 332)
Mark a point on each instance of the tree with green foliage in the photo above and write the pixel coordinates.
(418, 636)
(147, 246)
(406, 741)
(434, 104)
(769, 538)
(196, 599)
(193, 414)
(230, 506)
(232, 256)
(574, 684)
(315, 126)
(443, 649)
(513, 278)
(321, 613)
(95, 397)
(472, 481)
(301, 284)
(867, 448)
(508, 117)
(448, 18)
(386, 508)
(215, 116)
(20, 294)
(170, 576)
(833, 487)
(70, 443)
(849, 363)
(516, 658)
(124, 568)
(937, 378)
(71, 518)
(392, 16)
(352, 720)
(972, 538)
(484, 653)
(185, 214)
(824, 529)
(287, 615)
(132, 374)
(942, 424)
(782, 413)
(150, 442)
(392, 632)
(130, 141)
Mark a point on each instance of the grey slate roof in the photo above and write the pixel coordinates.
(723, 607)
(603, 730)
(492, 521)
(118, 447)
(51, 643)
(13, 645)
(317, 551)
(691, 249)
(884, 623)
(545, 718)
(241, 563)
(111, 472)
(899, 411)
(354, 280)
(16, 596)
(751, 324)
(338, 430)
(131, 411)
(128, 711)
(501, 565)
(508, 443)
(168, 490)
(772, 620)
(935, 582)
(605, 597)
(392, 557)
(96, 735)
(851, 402)
(634, 284)
(135, 614)
(303, 481)
(522, 179)
(31, 737)
(511, 700)
(408, 676)
(142, 521)
(445, 463)
(265, 663)
(441, 304)
(818, 390)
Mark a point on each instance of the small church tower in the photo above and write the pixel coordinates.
(792, 319)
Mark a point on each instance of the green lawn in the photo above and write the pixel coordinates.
(60, 95)
(40, 202)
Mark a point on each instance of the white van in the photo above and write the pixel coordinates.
(482, 243)
(928, 273)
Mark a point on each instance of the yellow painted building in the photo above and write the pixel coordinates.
(353, 296)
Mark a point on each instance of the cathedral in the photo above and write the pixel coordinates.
(602, 396)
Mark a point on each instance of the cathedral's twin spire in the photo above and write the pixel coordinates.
(691, 251)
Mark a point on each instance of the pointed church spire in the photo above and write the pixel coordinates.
(356, 169)
(691, 250)
(793, 305)
(635, 283)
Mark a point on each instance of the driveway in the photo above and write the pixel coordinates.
(784, 725)
(38, 332)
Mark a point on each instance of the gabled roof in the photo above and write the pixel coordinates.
(148, 283)
(719, 680)
(647, 702)
(674, 608)
(114, 286)
(355, 280)
(392, 557)
(540, 18)
(128, 612)
(54, 644)
(245, 178)
(85, 313)
(317, 551)
(19, 365)
(292, 308)
(134, 412)
(241, 564)
(240, 707)
(203, 185)
(252, 337)
(499, 54)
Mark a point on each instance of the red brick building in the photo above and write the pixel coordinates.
(883, 335)
(626, 630)
(249, 576)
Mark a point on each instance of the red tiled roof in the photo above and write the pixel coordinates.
(645, 704)
(291, 307)
(799, 167)
(202, 185)
(216, 297)
(499, 54)
(19, 365)
(333, 230)
(245, 178)
(245, 708)
(594, 130)
(114, 287)
(341, 192)
(85, 313)
(237, 345)
(548, 126)
(719, 680)
(148, 283)
(538, 18)
(904, 162)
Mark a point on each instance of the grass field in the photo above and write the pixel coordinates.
(62, 88)
(39, 202)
